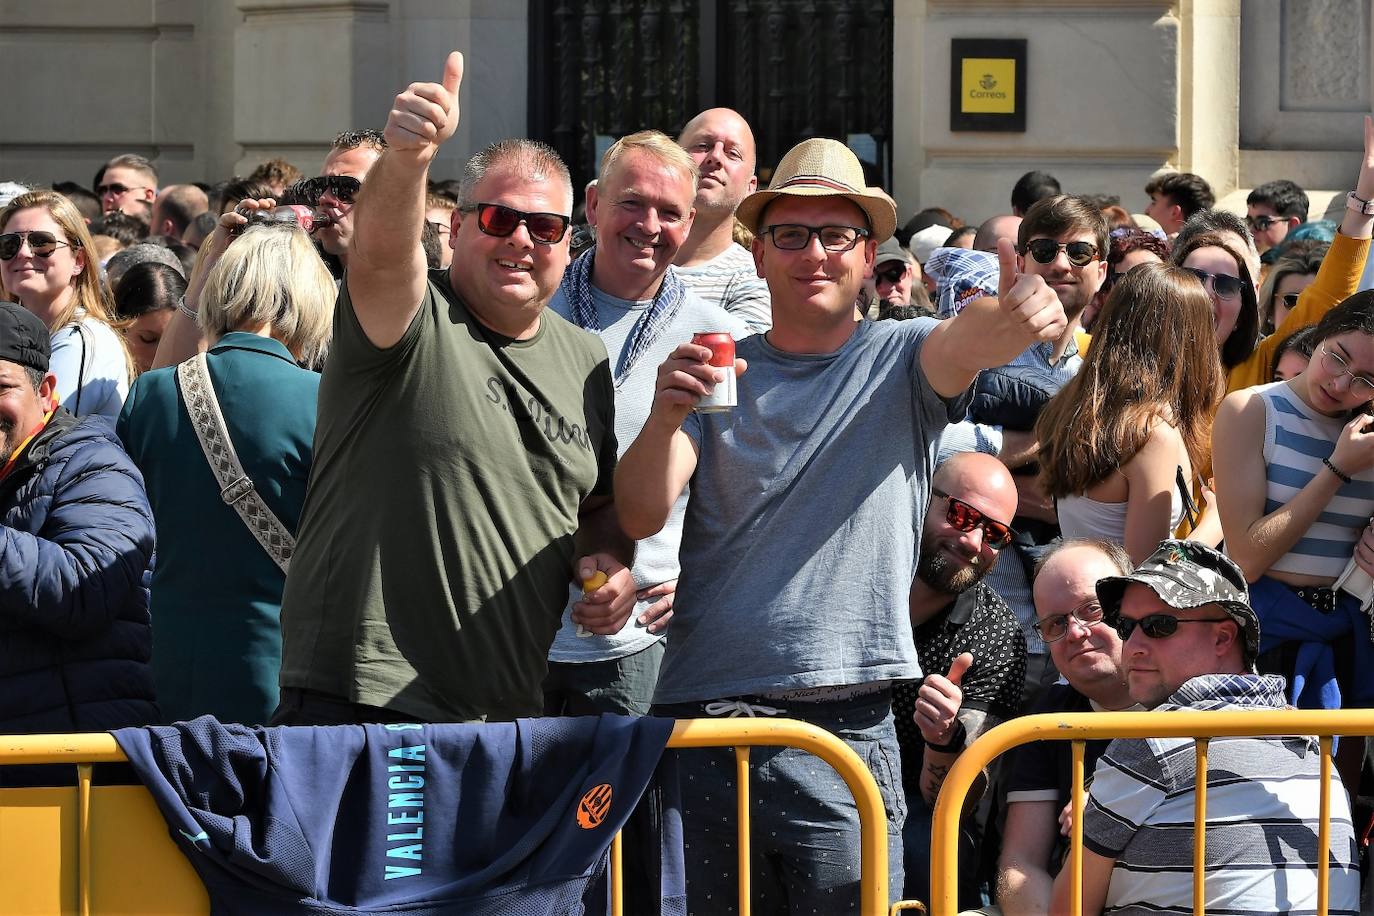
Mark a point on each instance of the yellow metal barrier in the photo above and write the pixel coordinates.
(106, 849)
(1080, 727)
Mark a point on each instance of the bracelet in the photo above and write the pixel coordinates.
(187, 311)
(955, 744)
(1357, 203)
(1345, 478)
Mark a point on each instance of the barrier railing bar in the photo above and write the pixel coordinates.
(83, 838)
(742, 830)
(617, 874)
(1200, 834)
(1324, 830)
(944, 851)
(1076, 829)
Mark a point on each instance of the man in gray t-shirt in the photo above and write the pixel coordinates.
(799, 544)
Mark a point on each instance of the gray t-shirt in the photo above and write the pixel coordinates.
(655, 557)
(800, 539)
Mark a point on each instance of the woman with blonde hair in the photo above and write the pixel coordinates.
(1120, 442)
(47, 265)
(266, 304)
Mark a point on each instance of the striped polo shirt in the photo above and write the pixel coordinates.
(731, 281)
(1263, 797)
(1296, 439)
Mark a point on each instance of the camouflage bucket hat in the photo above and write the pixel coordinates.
(1185, 574)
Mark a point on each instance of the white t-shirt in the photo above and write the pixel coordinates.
(92, 373)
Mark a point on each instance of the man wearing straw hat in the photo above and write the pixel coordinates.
(800, 539)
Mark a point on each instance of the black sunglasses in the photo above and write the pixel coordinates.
(961, 515)
(500, 221)
(1156, 626)
(1046, 250)
(1224, 285)
(892, 275)
(41, 243)
(308, 191)
(116, 189)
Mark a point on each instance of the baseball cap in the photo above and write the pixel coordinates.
(892, 250)
(1186, 574)
(23, 337)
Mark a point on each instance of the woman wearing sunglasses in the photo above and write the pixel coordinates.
(47, 266)
(266, 302)
(1116, 440)
(1295, 485)
(1290, 275)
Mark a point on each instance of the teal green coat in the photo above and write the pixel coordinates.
(216, 594)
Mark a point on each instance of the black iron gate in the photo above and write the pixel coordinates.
(600, 69)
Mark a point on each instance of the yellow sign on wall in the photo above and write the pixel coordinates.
(988, 85)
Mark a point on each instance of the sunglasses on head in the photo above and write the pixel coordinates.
(964, 517)
(114, 188)
(892, 274)
(499, 222)
(1046, 250)
(1224, 285)
(41, 243)
(1156, 626)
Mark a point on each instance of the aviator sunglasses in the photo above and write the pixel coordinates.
(41, 243)
(1156, 626)
(1046, 250)
(499, 222)
(961, 515)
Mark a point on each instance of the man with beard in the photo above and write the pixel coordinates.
(961, 627)
(722, 145)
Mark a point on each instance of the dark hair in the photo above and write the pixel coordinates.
(1303, 340)
(86, 203)
(237, 189)
(1032, 187)
(121, 227)
(1282, 196)
(1102, 201)
(352, 139)
(1126, 240)
(1354, 314)
(148, 287)
(961, 232)
(1056, 216)
(1191, 192)
(449, 187)
(1237, 348)
(1302, 260)
(429, 241)
(1113, 551)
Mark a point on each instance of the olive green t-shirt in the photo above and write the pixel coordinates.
(436, 541)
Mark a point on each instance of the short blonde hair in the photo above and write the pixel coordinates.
(272, 273)
(654, 143)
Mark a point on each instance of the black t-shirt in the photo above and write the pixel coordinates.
(978, 622)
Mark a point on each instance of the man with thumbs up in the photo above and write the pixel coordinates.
(464, 449)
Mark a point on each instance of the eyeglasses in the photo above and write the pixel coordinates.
(964, 517)
(795, 237)
(892, 275)
(1262, 223)
(1157, 626)
(41, 244)
(1224, 285)
(1046, 250)
(1331, 362)
(499, 222)
(1290, 300)
(116, 189)
(1056, 626)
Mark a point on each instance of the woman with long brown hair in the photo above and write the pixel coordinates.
(1117, 440)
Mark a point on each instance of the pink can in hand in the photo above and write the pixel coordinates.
(722, 347)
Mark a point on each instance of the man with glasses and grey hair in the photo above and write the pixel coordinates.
(484, 428)
(1189, 640)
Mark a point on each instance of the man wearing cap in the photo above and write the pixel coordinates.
(76, 539)
(893, 284)
(800, 539)
(1189, 641)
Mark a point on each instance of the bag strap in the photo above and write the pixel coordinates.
(193, 378)
(1190, 508)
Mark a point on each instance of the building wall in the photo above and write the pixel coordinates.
(210, 89)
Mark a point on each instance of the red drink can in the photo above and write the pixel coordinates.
(722, 347)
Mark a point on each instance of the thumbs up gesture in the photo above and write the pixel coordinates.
(1028, 304)
(426, 114)
(939, 699)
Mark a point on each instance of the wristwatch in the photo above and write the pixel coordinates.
(1357, 203)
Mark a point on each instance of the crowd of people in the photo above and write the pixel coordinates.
(377, 446)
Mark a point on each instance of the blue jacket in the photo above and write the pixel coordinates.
(492, 819)
(75, 636)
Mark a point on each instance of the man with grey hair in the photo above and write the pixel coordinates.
(487, 426)
(128, 183)
(175, 207)
(710, 262)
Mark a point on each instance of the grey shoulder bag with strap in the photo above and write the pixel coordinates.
(193, 378)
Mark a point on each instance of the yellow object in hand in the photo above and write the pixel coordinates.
(593, 582)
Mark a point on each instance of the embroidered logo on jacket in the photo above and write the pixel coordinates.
(594, 807)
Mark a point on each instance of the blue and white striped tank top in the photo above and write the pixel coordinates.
(1296, 439)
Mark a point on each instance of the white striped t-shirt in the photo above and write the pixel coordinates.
(1296, 439)
(731, 281)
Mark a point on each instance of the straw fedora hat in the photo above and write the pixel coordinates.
(821, 167)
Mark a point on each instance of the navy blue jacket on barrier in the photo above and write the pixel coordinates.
(75, 546)
(510, 818)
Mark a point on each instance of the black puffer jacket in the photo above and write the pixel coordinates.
(75, 547)
(1012, 396)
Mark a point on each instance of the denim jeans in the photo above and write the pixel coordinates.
(805, 826)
